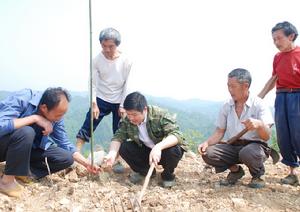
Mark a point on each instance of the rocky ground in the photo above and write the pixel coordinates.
(197, 189)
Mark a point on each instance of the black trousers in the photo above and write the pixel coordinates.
(22, 160)
(138, 158)
(15, 149)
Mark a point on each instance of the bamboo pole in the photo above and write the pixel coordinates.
(91, 82)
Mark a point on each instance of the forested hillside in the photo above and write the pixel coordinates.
(195, 117)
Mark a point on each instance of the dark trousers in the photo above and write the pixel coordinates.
(287, 119)
(22, 160)
(138, 158)
(222, 156)
(57, 158)
(105, 109)
(15, 149)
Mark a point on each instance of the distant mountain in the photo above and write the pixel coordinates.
(190, 106)
(3, 94)
(194, 116)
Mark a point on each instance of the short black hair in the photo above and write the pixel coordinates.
(52, 96)
(135, 101)
(287, 28)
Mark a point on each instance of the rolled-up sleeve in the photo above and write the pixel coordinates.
(121, 134)
(6, 126)
(11, 108)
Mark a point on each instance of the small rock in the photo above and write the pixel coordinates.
(19, 209)
(238, 202)
(64, 201)
(71, 191)
(5, 199)
(77, 209)
(217, 185)
(81, 171)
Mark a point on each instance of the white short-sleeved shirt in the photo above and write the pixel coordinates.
(254, 108)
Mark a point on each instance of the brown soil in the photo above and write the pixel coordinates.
(197, 189)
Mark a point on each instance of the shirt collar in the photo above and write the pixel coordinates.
(146, 114)
(248, 103)
(145, 119)
(36, 97)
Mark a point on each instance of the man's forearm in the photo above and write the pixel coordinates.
(114, 147)
(22, 122)
(80, 159)
(264, 132)
(268, 86)
(168, 142)
(216, 137)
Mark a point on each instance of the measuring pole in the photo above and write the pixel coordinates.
(91, 82)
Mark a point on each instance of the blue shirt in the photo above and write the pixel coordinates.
(24, 103)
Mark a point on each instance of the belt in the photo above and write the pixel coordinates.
(245, 142)
(288, 90)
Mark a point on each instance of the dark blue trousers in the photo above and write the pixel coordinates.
(15, 149)
(287, 120)
(57, 158)
(105, 109)
(138, 158)
(22, 160)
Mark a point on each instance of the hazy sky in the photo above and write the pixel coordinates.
(179, 48)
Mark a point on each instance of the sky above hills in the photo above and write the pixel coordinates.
(180, 48)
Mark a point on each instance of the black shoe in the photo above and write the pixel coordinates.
(290, 180)
(136, 178)
(256, 182)
(168, 183)
(233, 177)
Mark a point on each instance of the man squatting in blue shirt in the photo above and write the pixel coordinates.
(32, 129)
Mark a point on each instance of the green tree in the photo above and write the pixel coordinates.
(193, 139)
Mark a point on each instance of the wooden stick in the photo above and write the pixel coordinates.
(274, 154)
(147, 179)
(236, 137)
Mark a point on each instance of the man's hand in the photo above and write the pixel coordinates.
(93, 169)
(122, 112)
(110, 158)
(86, 163)
(202, 148)
(155, 155)
(96, 111)
(263, 131)
(45, 124)
(253, 124)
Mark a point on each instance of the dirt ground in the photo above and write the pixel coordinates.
(197, 189)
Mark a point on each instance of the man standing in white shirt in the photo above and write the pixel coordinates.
(110, 76)
(242, 111)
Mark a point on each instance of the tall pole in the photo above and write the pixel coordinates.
(91, 82)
